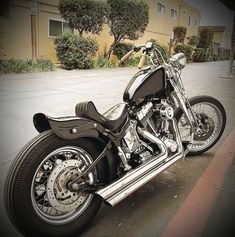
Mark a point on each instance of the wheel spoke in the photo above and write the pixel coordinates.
(211, 129)
(50, 196)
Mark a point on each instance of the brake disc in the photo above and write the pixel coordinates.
(58, 194)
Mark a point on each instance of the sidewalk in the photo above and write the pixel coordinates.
(209, 210)
(221, 219)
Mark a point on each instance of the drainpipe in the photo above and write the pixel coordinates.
(180, 9)
(34, 13)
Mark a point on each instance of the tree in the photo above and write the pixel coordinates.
(127, 19)
(84, 15)
(179, 34)
(205, 38)
(193, 40)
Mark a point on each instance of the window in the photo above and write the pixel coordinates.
(161, 8)
(189, 20)
(56, 27)
(173, 14)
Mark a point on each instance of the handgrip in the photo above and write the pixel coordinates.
(127, 56)
(142, 61)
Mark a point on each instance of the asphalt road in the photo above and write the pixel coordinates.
(146, 212)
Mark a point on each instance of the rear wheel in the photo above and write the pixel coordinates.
(211, 117)
(37, 195)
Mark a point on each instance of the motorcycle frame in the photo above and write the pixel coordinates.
(73, 127)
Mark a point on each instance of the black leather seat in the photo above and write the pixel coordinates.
(111, 119)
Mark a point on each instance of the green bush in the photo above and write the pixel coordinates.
(184, 48)
(121, 49)
(75, 52)
(102, 62)
(205, 38)
(161, 47)
(44, 65)
(199, 55)
(209, 59)
(193, 40)
(21, 65)
(134, 61)
(215, 57)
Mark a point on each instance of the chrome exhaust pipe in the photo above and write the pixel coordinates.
(135, 174)
(134, 179)
(122, 194)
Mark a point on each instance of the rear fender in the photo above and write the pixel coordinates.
(76, 127)
(68, 127)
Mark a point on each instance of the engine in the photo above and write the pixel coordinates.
(156, 119)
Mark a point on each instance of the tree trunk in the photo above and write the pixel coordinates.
(112, 46)
(80, 33)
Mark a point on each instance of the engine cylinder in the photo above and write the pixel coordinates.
(166, 112)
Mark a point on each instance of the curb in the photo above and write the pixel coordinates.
(191, 218)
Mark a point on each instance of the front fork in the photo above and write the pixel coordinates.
(184, 104)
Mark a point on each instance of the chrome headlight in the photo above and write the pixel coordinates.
(179, 60)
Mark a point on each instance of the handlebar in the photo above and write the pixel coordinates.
(157, 54)
(127, 56)
(142, 61)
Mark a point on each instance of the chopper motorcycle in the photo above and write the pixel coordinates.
(59, 180)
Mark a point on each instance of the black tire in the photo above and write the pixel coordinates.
(210, 100)
(17, 193)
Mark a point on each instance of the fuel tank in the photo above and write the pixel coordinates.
(144, 83)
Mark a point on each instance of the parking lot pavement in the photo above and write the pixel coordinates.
(146, 212)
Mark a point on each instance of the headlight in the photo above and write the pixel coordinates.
(179, 60)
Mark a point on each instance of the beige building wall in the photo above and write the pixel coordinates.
(46, 47)
(160, 26)
(15, 32)
(17, 40)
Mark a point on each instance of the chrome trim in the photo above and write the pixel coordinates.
(134, 179)
(122, 155)
(181, 102)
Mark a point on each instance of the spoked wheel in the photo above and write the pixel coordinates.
(51, 198)
(211, 119)
(37, 195)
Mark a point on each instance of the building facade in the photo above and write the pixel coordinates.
(32, 26)
(165, 15)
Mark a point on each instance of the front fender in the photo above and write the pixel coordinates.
(67, 127)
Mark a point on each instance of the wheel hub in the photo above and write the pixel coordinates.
(206, 129)
(58, 194)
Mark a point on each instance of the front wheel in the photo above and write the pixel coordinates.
(37, 196)
(211, 118)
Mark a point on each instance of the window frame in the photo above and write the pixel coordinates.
(62, 25)
(164, 7)
(176, 16)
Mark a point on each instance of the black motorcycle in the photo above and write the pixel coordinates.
(59, 180)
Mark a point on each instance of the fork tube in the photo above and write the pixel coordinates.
(183, 107)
